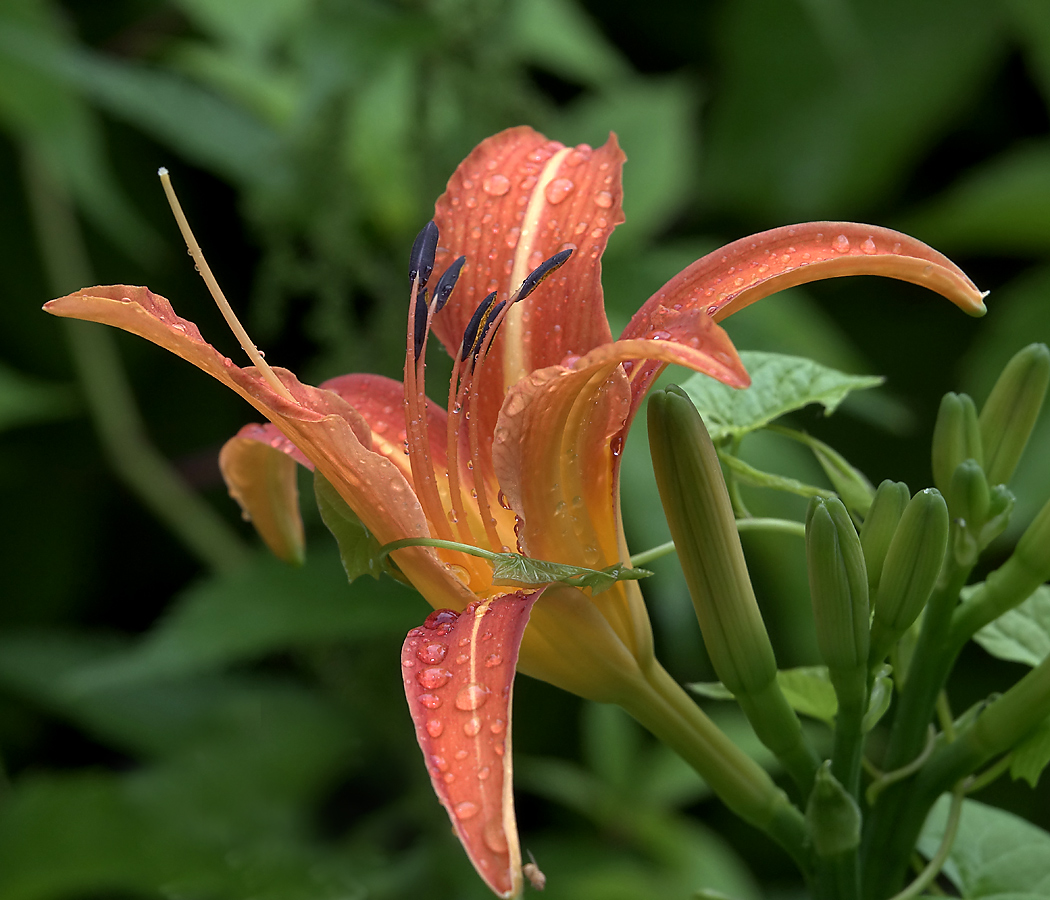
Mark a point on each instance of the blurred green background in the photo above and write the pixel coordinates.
(183, 717)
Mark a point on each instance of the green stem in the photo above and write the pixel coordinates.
(666, 710)
(936, 863)
(851, 689)
(740, 509)
(110, 401)
(776, 526)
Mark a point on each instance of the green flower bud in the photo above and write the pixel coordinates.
(1000, 506)
(1009, 413)
(956, 436)
(969, 500)
(703, 526)
(838, 584)
(875, 535)
(833, 815)
(1033, 550)
(910, 571)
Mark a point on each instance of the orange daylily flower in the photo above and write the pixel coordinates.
(525, 455)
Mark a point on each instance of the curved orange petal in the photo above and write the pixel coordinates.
(518, 199)
(459, 680)
(263, 481)
(328, 431)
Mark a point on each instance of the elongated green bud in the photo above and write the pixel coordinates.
(1033, 550)
(968, 503)
(1009, 413)
(956, 436)
(910, 570)
(838, 584)
(703, 526)
(875, 535)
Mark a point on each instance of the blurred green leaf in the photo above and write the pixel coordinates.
(1002, 207)
(779, 384)
(1021, 634)
(995, 853)
(808, 689)
(265, 608)
(26, 401)
(823, 108)
(252, 25)
(557, 35)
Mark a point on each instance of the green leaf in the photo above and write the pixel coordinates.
(779, 384)
(748, 474)
(26, 401)
(808, 690)
(1021, 634)
(880, 699)
(251, 612)
(358, 549)
(995, 853)
(521, 571)
(1032, 755)
(852, 485)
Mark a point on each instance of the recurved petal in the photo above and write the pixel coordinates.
(746, 270)
(459, 680)
(322, 425)
(260, 472)
(518, 199)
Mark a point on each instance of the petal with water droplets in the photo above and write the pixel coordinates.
(459, 678)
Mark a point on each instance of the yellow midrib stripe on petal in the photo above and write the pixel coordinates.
(515, 366)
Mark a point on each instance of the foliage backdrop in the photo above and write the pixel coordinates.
(181, 716)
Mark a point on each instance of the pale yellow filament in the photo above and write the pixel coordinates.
(216, 292)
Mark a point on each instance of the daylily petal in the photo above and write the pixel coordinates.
(322, 425)
(459, 680)
(263, 481)
(518, 199)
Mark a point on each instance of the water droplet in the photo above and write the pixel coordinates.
(441, 620)
(459, 572)
(494, 836)
(465, 810)
(497, 726)
(448, 778)
(462, 659)
(435, 727)
(484, 773)
(617, 445)
(439, 763)
(475, 233)
(472, 696)
(471, 202)
(472, 726)
(465, 641)
(558, 190)
(433, 677)
(841, 244)
(868, 246)
(408, 663)
(498, 749)
(494, 659)
(603, 199)
(461, 754)
(503, 500)
(496, 185)
(431, 653)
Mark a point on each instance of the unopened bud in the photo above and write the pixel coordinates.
(1033, 550)
(910, 570)
(879, 525)
(838, 584)
(968, 502)
(956, 436)
(1009, 413)
(703, 526)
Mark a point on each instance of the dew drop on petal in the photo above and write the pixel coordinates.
(497, 726)
(484, 773)
(433, 677)
(496, 185)
(431, 653)
(435, 727)
(494, 659)
(603, 199)
(841, 244)
(465, 809)
(868, 246)
(494, 836)
(430, 701)
(472, 726)
(472, 696)
(558, 190)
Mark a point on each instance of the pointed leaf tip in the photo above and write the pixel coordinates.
(458, 672)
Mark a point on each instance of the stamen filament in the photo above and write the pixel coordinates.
(216, 292)
(417, 433)
(455, 488)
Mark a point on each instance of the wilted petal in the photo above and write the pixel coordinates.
(518, 199)
(459, 678)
